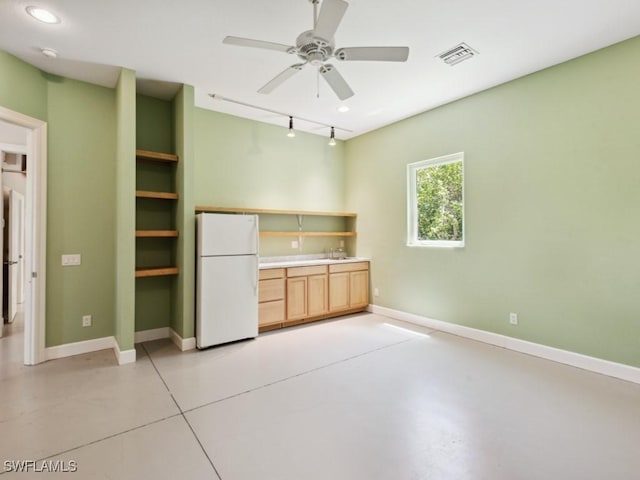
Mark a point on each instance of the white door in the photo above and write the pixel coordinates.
(15, 258)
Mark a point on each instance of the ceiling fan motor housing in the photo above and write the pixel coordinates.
(314, 50)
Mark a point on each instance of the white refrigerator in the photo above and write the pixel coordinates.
(227, 278)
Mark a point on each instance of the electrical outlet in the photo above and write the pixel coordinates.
(294, 244)
(341, 243)
(513, 318)
(86, 320)
(376, 292)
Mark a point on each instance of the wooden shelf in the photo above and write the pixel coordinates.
(156, 233)
(156, 272)
(156, 156)
(272, 212)
(158, 195)
(308, 234)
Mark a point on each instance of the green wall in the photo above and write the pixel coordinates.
(81, 197)
(80, 194)
(242, 163)
(23, 88)
(154, 124)
(552, 172)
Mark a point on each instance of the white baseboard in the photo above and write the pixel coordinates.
(152, 334)
(78, 348)
(182, 343)
(124, 356)
(585, 362)
(88, 346)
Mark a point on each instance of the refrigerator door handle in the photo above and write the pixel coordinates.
(255, 226)
(255, 285)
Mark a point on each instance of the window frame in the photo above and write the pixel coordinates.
(412, 202)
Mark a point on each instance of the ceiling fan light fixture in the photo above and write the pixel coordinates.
(332, 138)
(43, 15)
(315, 47)
(49, 52)
(292, 132)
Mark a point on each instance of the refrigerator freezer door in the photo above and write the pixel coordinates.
(223, 234)
(227, 306)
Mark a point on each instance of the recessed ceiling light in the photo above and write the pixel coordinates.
(42, 15)
(49, 52)
(343, 109)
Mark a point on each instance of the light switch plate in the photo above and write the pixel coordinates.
(70, 260)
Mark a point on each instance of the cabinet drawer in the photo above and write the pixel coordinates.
(271, 273)
(348, 267)
(305, 271)
(272, 289)
(271, 312)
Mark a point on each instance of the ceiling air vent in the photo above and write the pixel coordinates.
(457, 54)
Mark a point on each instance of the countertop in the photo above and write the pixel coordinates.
(303, 261)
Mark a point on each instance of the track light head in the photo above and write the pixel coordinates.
(332, 138)
(291, 133)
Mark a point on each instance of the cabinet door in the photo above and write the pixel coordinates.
(317, 295)
(271, 313)
(358, 289)
(338, 291)
(296, 298)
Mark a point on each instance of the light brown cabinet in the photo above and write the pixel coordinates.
(348, 286)
(307, 294)
(271, 298)
(290, 296)
(317, 296)
(338, 291)
(296, 298)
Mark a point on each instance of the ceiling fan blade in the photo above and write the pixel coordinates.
(247, 42)
(335, 81)
(376, 54)
(281, 78)
(331, 13)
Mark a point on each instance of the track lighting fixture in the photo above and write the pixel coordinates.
(332, 138)
(291, 133)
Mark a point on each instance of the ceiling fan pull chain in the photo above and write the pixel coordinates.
(318, 83)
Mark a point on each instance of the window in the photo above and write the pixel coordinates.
(435, 203)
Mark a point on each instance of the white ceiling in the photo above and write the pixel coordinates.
(168, 42)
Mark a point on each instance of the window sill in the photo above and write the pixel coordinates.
(437, 244)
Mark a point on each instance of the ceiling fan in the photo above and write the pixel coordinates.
(317, 46)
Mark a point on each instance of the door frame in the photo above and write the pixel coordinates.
(35, 230)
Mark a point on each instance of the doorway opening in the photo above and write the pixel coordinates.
(13, 180)
(23, 207)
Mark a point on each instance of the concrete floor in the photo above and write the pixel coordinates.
(355, 398)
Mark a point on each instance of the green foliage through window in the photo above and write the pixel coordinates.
(435, 202)
(439, 195)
